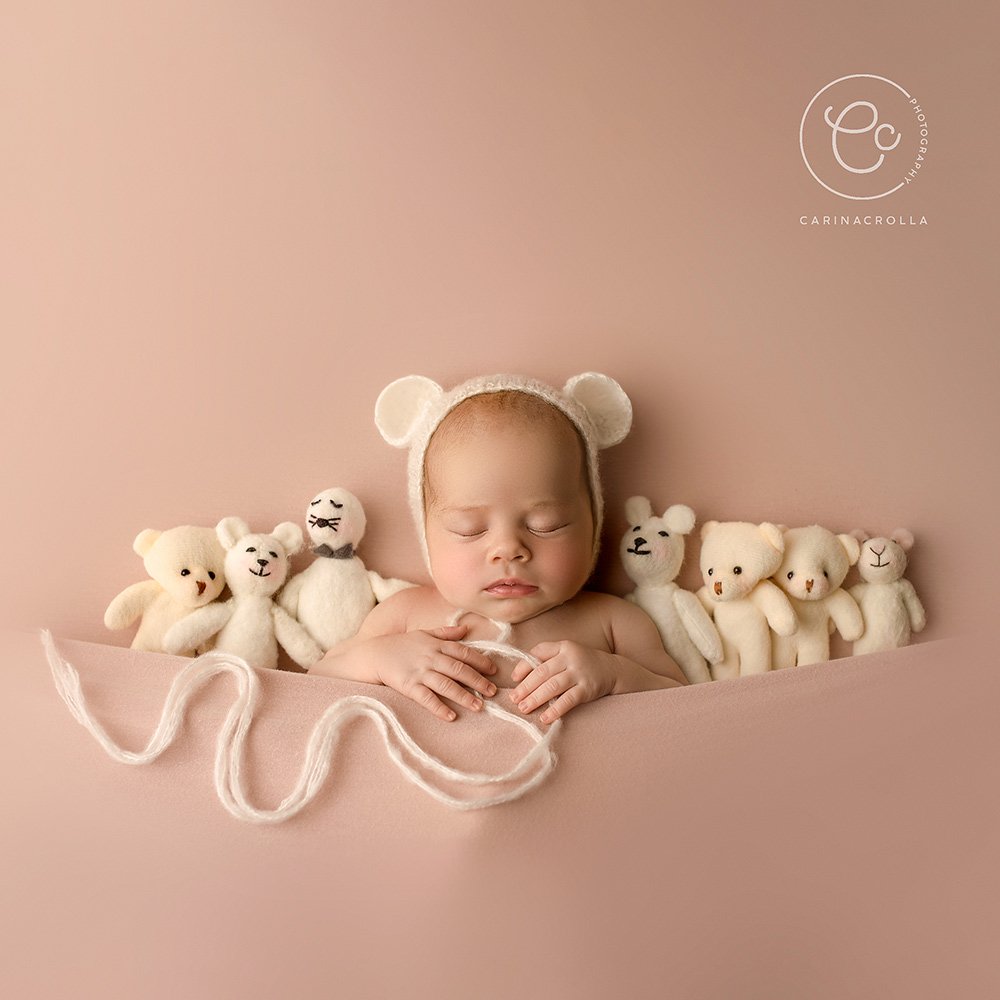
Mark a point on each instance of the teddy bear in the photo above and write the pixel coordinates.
(185, 566)
(250, 625)
(652, 551)
(889, 605)
(813, 567)
(333, 595)
(737, 559)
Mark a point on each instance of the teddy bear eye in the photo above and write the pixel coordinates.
(211, 575)
(710, 570)
(737, 570)
(637, 527)
(663, 534)
(185, 572)
(273, 555)
(827, 575)
(251, 549)
(337, 505)
(790, 574)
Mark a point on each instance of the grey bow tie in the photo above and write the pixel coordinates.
(344, 552)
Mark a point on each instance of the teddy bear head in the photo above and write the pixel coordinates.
(883, 560)
(652, 548)
(736, 556)
(257, 564)
(336, 522)
(815, 562)
(187, 562)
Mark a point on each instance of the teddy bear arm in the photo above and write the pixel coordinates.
(196, 628)
(918, 617)
(130, 604)
(698, 625)
(294, 639)
(776, 608)
(383, 587)
(845, 615)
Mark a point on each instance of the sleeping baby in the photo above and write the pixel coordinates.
(505, 492)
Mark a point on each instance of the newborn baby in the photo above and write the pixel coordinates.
(507, 501)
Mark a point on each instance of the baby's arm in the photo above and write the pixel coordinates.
(422, 663)
(574, 674)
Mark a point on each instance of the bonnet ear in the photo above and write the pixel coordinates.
(903, 538)
(679, 518)
(402, 405)
(852, 546)
(290, 536)
(144, 541)
(230, 530)
(637, 510)
(605, 402)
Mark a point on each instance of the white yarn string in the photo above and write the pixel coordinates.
(229, 781)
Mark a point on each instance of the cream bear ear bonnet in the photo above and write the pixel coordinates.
(409, 410)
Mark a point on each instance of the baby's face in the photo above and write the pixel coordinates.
(509, 524)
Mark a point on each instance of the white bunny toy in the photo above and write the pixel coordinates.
(333, 595)
(250, 625)
(652, 551)
(889, 605)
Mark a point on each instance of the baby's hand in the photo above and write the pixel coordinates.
(420, 663)
(570, 673)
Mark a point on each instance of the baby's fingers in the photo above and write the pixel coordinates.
(465, 654)
(424, 696)
(562, 705)
(453, 691)
(548, 689)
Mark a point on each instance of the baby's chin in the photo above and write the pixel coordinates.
(509, 610)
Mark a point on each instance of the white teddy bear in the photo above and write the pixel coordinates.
(185, 566)
(736, 560)
(889, 605)
(250, 625)
(333, 596)
(652, 551)
(814, 565)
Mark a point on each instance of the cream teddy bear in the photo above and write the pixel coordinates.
(737, 559)
(250, 625)
(186, 572)
(652, 551)
(889, 605)
(813, 567)
(332, 596)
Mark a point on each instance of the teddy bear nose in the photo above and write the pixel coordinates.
(639, 541)
(809, 586)
(262, 562)
(718, 587)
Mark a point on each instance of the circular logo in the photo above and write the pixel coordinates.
(863, 137)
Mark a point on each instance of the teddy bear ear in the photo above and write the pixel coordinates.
(402, 405)
(609, 409)
(637, 509)
(230, 530)
(679, 518)
(861, 535)
(852, 546)
(903, 538)
(773, 535)
(782, 528)
(290, 536)
(708, 527)
(144, 541)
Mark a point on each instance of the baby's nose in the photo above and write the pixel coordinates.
(508, 549)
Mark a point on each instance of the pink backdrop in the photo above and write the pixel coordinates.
(228, 225)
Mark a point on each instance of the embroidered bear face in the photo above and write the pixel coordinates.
(257, 564)
(883, 560)
(815, 562)
(736, 556)
(652, 548)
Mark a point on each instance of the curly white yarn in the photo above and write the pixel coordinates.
(229, 780)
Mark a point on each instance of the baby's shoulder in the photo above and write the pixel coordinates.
(395, 613)
(606, 607)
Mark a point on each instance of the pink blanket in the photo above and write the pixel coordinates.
(829, 831)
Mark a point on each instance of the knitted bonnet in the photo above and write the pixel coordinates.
(409, 410)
